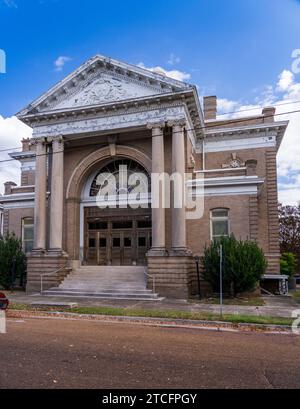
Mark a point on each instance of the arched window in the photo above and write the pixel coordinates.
(27, 234)
(219, 223)
(121, 177)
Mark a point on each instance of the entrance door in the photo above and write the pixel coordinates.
(118, 240)
(122, 233)
(122, 253)
(97, 249)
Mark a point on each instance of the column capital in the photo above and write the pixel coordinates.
(180, 122)
(156, 125)
(58, 139)
(38, 141)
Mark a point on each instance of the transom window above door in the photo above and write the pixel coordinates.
(121, 177)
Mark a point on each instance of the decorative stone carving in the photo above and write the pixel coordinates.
(153, 125)
(233, 162)
(106, 89)
(111, 122)
(181, 122)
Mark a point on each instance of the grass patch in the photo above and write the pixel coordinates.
(247, 301)
(171, 314)
(296, 296)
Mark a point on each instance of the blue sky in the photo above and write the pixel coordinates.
(236, 49)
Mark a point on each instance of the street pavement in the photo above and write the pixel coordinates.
(65, 353)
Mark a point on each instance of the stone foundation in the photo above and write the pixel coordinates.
(39, 263)
(173, 275)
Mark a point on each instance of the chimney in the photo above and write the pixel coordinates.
(25, 145)
(8, 187)
(210, 107)
(268, 113)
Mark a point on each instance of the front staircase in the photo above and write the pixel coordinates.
(106, 282)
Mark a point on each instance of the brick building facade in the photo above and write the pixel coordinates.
(109, 113)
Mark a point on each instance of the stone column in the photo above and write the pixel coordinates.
(57, 190)
(158, 167)
(178, 173)
(40, 195)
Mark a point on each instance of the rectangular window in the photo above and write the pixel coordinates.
(122, 225)
(144, 224)
(98, 226)
(116, 242)
(219, 219)
(127, 241)
(142, 241)
(92, 243)
(102, 242)
(27, 234)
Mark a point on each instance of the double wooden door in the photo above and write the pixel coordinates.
(118, 242)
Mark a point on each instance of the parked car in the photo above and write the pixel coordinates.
(3, 301)
(297, 277)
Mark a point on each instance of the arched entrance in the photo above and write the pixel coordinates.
(116, 214)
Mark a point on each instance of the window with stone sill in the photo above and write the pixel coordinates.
(219, 223)
(27, 234)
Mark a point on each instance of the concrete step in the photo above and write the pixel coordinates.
(118, 282)
(103, 295)
(102, 290)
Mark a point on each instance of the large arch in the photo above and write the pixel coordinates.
(86, 166)
(76, 183)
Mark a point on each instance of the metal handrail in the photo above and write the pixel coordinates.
(153, 280)
(49, 274)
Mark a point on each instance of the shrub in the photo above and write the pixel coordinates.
(243, 265)
(288, 264)
(10, 247)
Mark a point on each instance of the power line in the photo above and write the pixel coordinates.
(223, 114)
(259, 107)
(213, 125)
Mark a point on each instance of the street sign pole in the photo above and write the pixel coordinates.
(221, 280)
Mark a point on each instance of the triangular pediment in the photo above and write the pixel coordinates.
(103, 81)
(106, 88)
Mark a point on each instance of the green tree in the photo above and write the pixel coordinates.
(289, 230)
(10, 248)
(243, 265)
(288, 264)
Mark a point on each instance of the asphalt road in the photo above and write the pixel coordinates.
(44, 353)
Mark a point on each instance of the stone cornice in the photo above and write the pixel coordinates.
(101, 65)
(278, 128)
(22, 155)
(247, 129)
(115, 108)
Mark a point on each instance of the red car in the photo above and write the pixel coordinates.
(3, 301)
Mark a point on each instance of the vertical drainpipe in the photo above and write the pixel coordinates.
(203, 154)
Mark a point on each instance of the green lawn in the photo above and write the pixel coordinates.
(250, 301)
(296, 296)
(171, 314)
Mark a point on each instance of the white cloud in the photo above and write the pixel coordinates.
(175, 74)
(285, 94)
(11, 4)
(60, 62)
(12, 131)
(173, 59)
(286, 79)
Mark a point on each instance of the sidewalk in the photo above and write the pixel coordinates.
(274, 306)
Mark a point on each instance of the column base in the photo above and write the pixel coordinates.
(180, 252)
(157, 252)
(171, 275)
(41, 262)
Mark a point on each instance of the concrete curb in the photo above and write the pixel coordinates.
(166, 322)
